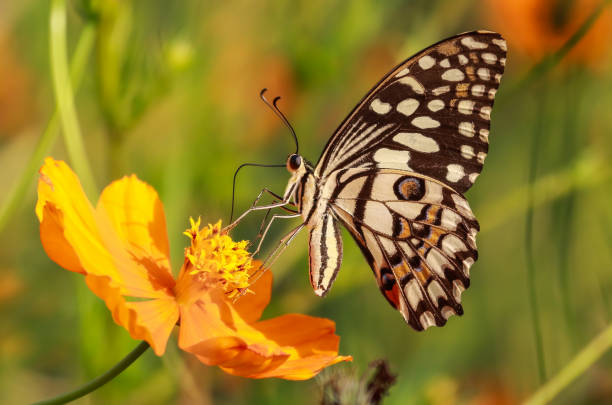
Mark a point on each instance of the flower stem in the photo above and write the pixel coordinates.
(15, 196)
(64, 97)
(99, 381)
(583, 360)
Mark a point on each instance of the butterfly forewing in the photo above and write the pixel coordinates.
(430, 115)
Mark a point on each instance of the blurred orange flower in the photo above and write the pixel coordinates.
(17, 101)
(539, 27)
(121, 247)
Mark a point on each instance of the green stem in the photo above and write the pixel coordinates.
(64, 98)
(99, 381)
(531, 271)
(16, 195)
(579, 364)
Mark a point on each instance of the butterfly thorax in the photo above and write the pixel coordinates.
(303, 188)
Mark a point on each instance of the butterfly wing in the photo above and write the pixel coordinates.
(399, 164)
(418, 235)
(429, 115)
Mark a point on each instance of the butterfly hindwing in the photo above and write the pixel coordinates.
(429, 115)
(418, 235)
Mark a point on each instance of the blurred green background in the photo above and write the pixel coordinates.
(169, 92)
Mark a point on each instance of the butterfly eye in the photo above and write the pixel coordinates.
(294, 162)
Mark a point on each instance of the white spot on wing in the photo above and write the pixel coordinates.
(380, 107)
(454, 172)
(425, 122)
(472, 43)
(435, 292)
(483, 73)
(445, 63)
(467, 152)
(465, 107)
(408, 106)
(392, 159)
(413, 293)
(492, 93)
(447, 312)
(489, 58)
(449, 220)
(462, 206)
(478, 90)
(501, 43)
(458, 288)
(413, 83)
(467, 263)
(467, 129)
(453, 75)
(452, 244)
(437, 262)
(440, 90)
(402, 72)
(418, 142)
(484, 135)
(426, 62)
(481, 157)
(485, 113)
(463, 59)
(435, 105)
(473, 177)
(427, 319)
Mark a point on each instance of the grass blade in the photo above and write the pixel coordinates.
(17, 193)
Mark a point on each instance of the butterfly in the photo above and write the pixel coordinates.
(394, 173)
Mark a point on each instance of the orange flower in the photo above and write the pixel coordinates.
(540, 27)
(121, 247)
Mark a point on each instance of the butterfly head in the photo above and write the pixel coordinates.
(302, 177)
(294, 162)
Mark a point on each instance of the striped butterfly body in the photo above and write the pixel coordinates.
(394, 174)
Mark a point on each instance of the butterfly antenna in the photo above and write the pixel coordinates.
(234, 181)
(280, 115)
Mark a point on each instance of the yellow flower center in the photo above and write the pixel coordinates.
(216, 259)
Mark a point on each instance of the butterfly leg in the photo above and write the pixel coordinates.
(278, 198)
(280, 247)
(265, 219)
(265, 232)
(255, 207)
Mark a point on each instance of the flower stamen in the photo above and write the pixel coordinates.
(216, 259)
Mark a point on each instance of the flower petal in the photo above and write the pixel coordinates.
(63, 204)
(76, 231)
(55, 244)
(137, 216)
(252, 304)
(292, 346)
(151, 320)
(310, 343)
(104, 245)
